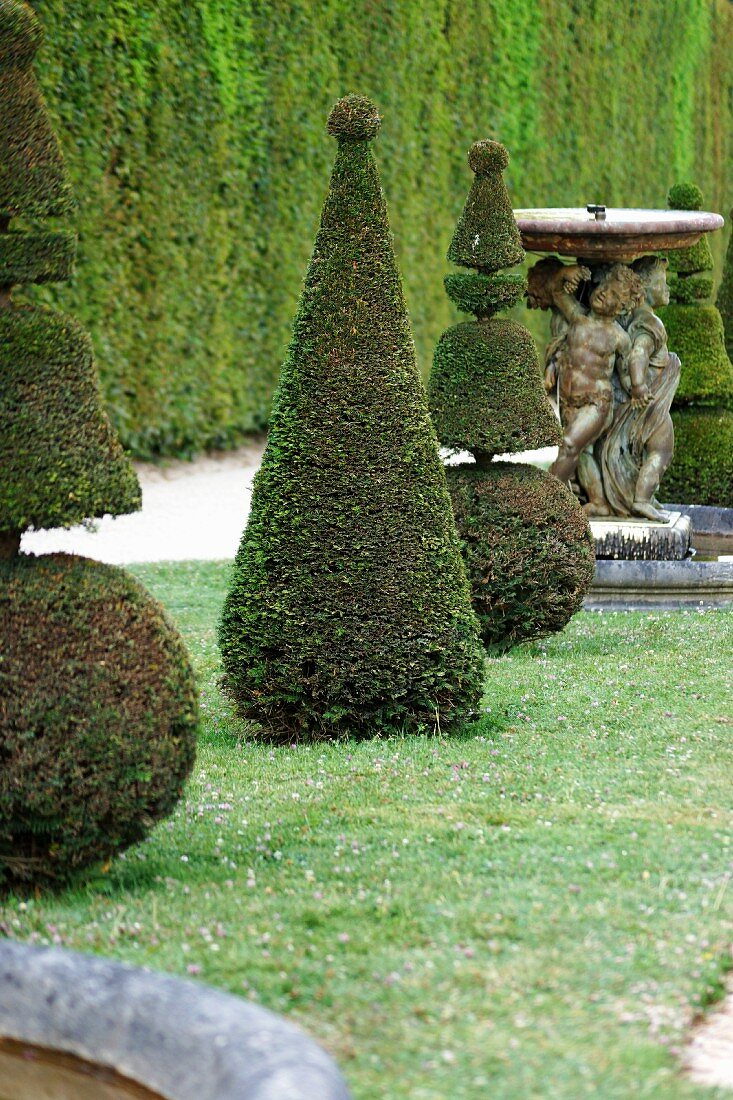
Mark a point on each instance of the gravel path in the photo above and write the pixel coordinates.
(191, 511)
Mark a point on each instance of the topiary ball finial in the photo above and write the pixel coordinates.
(487, 156)
(354, 118)
(685, 196)
(20, 33)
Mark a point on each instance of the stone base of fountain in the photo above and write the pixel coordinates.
(641, 540)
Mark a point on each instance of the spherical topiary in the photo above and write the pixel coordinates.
(354, 118)
(349, 612)
(487, 156)
(485, 390)
(684, 196)
(528, 551)
(97, 715)
(702, 467)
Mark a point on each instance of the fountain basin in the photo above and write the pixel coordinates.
(143, 1035)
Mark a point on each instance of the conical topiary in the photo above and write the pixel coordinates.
(702, 468)
(97, 697)
(526, 542)
(724, 300)
(349, 611)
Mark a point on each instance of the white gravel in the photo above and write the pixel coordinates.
(191, 510)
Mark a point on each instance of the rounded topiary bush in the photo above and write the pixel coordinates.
(702, 467)
(98, 715)
(527, 548)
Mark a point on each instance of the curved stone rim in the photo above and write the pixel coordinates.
(624, 221)
(182, 1040)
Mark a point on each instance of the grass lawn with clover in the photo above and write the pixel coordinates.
(537, 907)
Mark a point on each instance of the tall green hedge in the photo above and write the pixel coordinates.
(196, 129)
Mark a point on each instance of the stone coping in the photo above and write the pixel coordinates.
(182, 1040)
(650, 585)
(618, 220)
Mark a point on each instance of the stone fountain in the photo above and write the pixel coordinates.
(613, 377)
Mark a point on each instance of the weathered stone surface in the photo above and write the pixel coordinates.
(182, 1040)
(642, 540)
(647, 585)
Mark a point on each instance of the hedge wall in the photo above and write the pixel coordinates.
(196, 129)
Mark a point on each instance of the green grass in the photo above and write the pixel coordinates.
(534, 909)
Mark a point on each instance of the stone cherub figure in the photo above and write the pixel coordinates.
(639, 446)
(588, 346)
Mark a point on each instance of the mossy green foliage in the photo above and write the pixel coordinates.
(688, 289)
(484, 295)
(33, 177)
(702, 468)
(45, 256)
(695, 333)
(724, 300)
(193, 132)
(485, 390)
(349, 612)
(61, 460)
(527, 547)
(487, 236)
(99, 715)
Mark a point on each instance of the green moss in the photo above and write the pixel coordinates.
(695, 333)
(690, 288)
(61, 460)
(724, 300)
(98, 717)
(527, 547)
(486, 236)
(33, 177)
(349, 612)
(485, 390)
(36, 257)
(702, 468)
(484, 295)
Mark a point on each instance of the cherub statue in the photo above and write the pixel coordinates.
(583, 363)
(640, 444)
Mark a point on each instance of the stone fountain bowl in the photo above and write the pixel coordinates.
(618, 234)
(133, 1033)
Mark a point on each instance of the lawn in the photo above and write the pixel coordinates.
(536, 908)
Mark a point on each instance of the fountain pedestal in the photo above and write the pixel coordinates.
(640, 540)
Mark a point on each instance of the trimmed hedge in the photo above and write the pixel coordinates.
(38, 257)
(61, 460)
(349, 613)
(725, 296)
(695, 333)
(98, 715)
(702, 469)
(195, 129)
(528, 550)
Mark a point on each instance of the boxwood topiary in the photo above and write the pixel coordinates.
(61, 460)
(97, 715)
(527, 547)
(695, 333)
(349, 613)
(525, 539)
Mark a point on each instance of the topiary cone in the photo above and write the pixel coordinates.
(702, 468)
(525, 540)
(724, 300)
(349, 612)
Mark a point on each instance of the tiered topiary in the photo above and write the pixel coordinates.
(526, 541)
(349, 612)
(97, 698)
(702, 467)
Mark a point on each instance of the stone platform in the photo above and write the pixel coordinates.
(642, 540)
